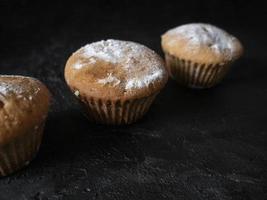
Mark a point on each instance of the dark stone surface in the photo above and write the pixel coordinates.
(192, 144)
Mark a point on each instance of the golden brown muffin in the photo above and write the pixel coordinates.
(199, 55)
(24, 103)
(116, 80)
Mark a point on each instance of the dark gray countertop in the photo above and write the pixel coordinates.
(192, 144)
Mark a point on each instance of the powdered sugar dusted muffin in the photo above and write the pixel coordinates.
(24, 106)
(199, 55)
(116, 80)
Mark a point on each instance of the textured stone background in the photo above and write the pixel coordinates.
(192, 145)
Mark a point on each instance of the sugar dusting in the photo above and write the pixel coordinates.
(107, 50)
(7, 88)
(110, 79)
(200, 34)
(141, 65)
(79, 65)
(138, 83)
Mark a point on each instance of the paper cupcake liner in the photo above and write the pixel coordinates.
(195, 75)
(116, 112)
(20, 151)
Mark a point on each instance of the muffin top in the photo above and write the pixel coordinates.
(24, 103)
(114, 69)
(202, 43)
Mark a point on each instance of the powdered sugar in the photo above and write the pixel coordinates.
(109, 50)
(110, 79)
(8, 87)
(200, 34)
(138, 83)
(79, 65)
(141, 65)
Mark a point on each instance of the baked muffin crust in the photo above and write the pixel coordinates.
(115, 69)
(204, 43)
(24, 103)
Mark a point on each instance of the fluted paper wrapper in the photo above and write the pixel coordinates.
(20, 151)
(195, 75)
(116, 112)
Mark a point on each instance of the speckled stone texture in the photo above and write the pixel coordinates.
(192, 144)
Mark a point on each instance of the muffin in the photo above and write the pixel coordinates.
(116, 80)
(199, 55)
(24, 105)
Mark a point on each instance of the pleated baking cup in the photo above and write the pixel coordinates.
(20, 151)
(116, 112)
(195, 75)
